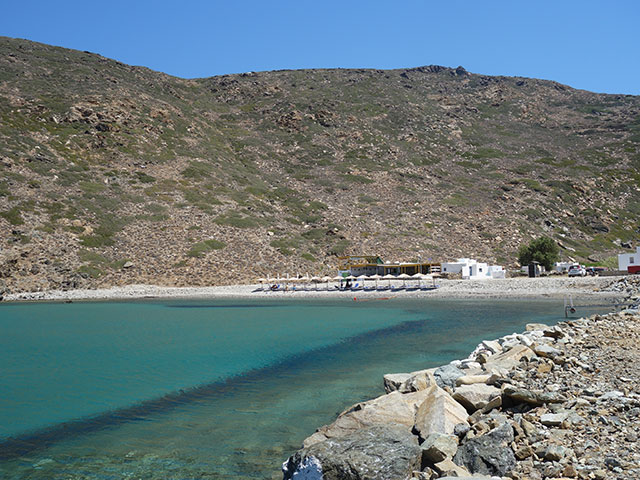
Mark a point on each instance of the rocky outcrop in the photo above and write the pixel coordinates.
(384, 452)
(550, 403)
(438, 413)
(488, 453)
(393, 408)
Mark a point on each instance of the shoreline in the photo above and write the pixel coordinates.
(554, 402)
(602, 289)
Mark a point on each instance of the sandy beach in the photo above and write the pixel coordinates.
(595, 289)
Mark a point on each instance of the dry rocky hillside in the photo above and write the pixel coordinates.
(112, 174)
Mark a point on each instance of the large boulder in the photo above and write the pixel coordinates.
(509, 359)
(394, 407)
(409, 382)
(531, 397)
(392, 381)
(438, 447)
(488, 454)
(475, 396)
(438, 413)
(447, 375)
(378, 452)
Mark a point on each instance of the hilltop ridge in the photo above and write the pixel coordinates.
(112, 174)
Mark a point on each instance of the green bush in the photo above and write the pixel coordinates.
(543, 250)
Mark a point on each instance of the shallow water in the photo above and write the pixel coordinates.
(222, 389)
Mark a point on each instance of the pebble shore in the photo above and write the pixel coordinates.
(593, 288)
(555, 402)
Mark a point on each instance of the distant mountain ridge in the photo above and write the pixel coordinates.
(112, 174)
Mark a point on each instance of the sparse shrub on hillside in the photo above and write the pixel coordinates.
(543, 250)
(308, 257)
(13, 216)
(234, 219)
(198, 170)
(144, 178)
(199, 249)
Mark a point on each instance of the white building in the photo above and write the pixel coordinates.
(471, 269)
(561, 267)
(626, 260)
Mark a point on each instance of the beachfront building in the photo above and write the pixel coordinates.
(626, 260)
(562, 267)
(374, 265)
(471, 269)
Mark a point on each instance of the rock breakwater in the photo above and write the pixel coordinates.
(554, 402)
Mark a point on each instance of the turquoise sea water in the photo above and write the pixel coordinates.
(210, 389)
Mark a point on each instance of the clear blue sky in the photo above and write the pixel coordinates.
(593, 45)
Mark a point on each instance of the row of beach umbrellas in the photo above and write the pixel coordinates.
(339, 278)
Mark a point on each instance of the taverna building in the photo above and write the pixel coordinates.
(374, 265)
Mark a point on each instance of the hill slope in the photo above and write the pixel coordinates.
(113, 174)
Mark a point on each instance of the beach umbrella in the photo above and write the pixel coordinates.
(326, 279)
(375, 277)
(389, 277)
(404, 277)
(316, 280)
(362, 278)
(418, 276)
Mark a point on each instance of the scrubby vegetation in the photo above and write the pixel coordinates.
(289, 168)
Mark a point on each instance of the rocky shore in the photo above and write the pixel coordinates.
(554, 402)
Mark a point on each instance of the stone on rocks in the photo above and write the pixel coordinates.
(471, 379)
(451, 470)
(488, 454)
(544, 368)
(392, 381)
(521, 395)
(492, 345)
(377, 452)
(474, 477)
(447, 375)
(530, 327)
(555, 453)
(524, 452)
(475, 396)
(614, 394)
(417, 381)
(495, 402)
(569, 471)
(461, 429)
(510, 358)
(437, 447)
(526, 340)
(394, 407)
(553, 419)
(546, 351)
(471, 365)
(553, 332)
(528, 428)
(510, 343)
(438, 413)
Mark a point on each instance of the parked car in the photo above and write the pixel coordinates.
(593, 271)
(577, 271)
